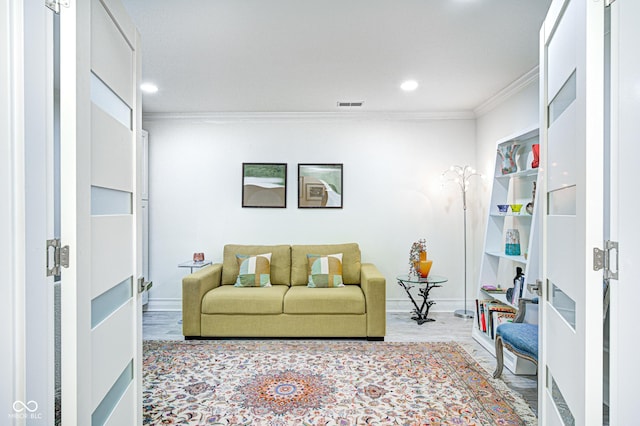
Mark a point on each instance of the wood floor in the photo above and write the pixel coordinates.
(400, 328)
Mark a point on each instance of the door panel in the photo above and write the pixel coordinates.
(111, 145)
(113, 329)
(112, 57)
(625, 204)
(112, 259)
(562, 145)
(561, 52)
(563, 248)
(572, 87)
(100, 122)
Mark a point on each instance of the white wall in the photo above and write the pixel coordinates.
(392, 193)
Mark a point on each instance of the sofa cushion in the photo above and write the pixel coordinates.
(325, 271)
(350, 261)
(248, 300)
(280, 262)
(304, 300)
(255, 271)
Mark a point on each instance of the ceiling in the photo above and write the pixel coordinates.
(306, 55)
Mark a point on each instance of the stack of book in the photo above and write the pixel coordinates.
(490, 313)
(493, 289)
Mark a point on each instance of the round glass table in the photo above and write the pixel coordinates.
(424, 287)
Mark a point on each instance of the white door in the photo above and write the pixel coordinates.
(625, 228)
(571, 88)
(100, 220)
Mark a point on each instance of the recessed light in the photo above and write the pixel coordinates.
(409, 85)
(148, 87)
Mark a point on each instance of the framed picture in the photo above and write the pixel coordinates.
(320, 186)
(264, 185)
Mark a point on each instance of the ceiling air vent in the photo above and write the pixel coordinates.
(357, 104)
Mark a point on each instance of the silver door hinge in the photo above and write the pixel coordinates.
(602, 259)
(56, 4)
(144, 285)
(60, 257)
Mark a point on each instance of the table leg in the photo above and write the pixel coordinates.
(426, 304)
(418, 309)
(421, 311)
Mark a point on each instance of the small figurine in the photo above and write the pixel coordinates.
(529, 207)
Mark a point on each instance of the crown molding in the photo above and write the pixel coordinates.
(525, 80)
(234, 117)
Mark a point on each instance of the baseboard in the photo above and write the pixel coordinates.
(164, 305)
(393, 305)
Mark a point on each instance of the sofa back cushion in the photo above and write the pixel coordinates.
(280, 262)
(350, 261)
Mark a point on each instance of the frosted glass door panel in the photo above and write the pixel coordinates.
(108, 101)
(563, 146)
(105, 201)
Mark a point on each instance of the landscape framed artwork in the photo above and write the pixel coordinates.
(320, 186)
(264, 185)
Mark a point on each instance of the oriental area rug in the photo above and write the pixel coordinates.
(276, 383)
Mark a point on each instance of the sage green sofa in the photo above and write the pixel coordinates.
(213, 308)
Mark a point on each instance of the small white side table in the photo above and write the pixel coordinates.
(194, 265)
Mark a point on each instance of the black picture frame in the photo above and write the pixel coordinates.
(320, 185)
(264, 185)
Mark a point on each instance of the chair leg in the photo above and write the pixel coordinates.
(499, 358)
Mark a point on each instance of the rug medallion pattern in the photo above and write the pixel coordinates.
(322, 383)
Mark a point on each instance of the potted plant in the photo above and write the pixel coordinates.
(418, 263)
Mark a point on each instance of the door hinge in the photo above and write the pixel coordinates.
(56, 4)
(602, 259)
(60, 257)
(144, 285)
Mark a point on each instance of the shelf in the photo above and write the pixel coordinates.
(501, 255)
(520, 174)
(525, 215)
(501, 297)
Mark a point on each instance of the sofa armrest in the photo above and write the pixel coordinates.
(374, 287)
(194, 287)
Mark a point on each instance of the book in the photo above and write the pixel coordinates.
(498, 318)
(487, 311)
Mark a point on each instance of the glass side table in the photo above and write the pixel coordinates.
(194, 265)
(425, 285)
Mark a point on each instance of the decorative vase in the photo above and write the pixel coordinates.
(522, 157)
(512, 242)
(507, 154)
(424, 265)
(535, 148)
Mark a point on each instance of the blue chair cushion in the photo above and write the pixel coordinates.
(521, 336)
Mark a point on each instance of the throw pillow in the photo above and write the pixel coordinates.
(255, 271)
(325, 271)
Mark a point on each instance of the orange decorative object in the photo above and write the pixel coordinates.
(425, 265)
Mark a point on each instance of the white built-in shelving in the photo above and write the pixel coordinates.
(498, 268)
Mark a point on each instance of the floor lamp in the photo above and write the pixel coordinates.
(461, 175)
